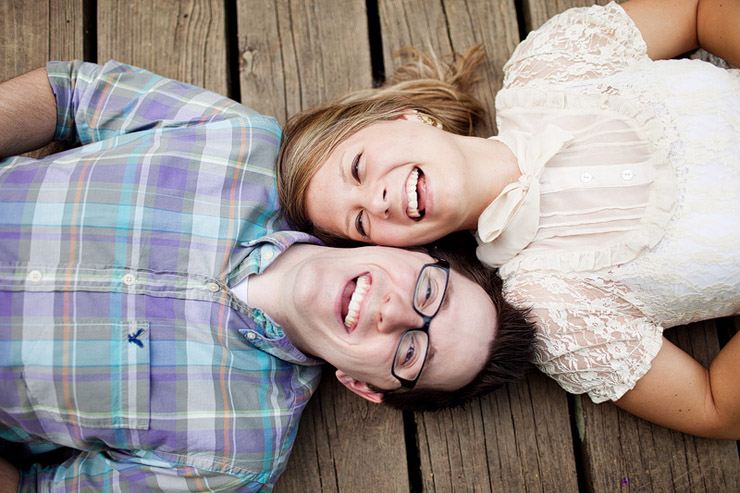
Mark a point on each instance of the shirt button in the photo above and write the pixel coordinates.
(627, 175)
(129, 279)
(213, 287)
(35, 276)
(586, 177)
(251, 336)
(268, 255)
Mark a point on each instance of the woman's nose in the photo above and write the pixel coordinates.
(379, 203)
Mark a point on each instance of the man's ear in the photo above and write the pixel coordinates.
(359, 388)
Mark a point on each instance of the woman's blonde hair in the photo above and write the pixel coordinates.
(424, 83)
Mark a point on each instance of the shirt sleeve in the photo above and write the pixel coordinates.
(115, 471)
(581, 43)
(97, 102)
(590, 339)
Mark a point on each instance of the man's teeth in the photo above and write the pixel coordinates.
(413, 208)
(353, 311)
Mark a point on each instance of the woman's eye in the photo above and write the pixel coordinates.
(356, 168)
(359, 226)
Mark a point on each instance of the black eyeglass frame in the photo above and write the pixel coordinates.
(410, 384)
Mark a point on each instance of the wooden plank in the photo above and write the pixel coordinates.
(518, 438)
(294, 55)
(346, 444)
(453, 25)
(621, 449)
(180, 39)
(36, 31)
(536, 12)
(477, 21)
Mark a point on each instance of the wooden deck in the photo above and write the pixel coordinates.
(280, 56)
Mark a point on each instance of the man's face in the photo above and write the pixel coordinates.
(316, 297)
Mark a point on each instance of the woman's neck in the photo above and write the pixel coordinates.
(492, 167)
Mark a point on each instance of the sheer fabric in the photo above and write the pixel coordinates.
(638, 224)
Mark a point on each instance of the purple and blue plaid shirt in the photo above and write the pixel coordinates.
(119, 335)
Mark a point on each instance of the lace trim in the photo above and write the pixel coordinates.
(590, 339)
(662, 195)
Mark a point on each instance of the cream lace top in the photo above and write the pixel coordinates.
(626, 218)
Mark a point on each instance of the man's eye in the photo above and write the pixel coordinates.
(356, 168)
(359, 226)
(428, 292)
(409, 354)
(425, 293)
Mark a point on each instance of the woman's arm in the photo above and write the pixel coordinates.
(28, 113)
(673, 27)
(679, 393)
(718, 28)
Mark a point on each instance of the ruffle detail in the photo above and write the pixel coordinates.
(662, 195)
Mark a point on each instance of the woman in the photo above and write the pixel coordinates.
(609, 201)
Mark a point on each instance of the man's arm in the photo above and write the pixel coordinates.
(9, 477)
(679, 393)
(28, 113)
(673, 27)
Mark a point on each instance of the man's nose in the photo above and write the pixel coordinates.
(397, 315)
(379, 202)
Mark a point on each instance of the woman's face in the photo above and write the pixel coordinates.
(399, 183)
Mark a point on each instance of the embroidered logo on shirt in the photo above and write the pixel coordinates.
(134, 338)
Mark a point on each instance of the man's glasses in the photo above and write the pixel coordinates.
(412, 349)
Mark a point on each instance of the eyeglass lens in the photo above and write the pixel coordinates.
(428, 297)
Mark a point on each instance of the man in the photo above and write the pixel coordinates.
(156, 325)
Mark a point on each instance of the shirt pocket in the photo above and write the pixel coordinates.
(93, 375)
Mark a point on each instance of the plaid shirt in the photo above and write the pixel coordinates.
(119, 334)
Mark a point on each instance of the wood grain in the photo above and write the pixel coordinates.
(180, 39)
(295, 54)
(346, 444)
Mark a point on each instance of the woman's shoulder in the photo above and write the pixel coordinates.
(584, 42)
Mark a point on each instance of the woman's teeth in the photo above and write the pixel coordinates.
(353, 312)
(413, 207)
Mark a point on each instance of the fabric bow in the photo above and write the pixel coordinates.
(510, 222)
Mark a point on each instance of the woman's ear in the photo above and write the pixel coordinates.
(409, 114)
(359, 388)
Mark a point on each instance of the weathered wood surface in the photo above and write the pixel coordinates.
(35, 31)
(293, 55)
(519, 438)
(181, 39)
(283, 56)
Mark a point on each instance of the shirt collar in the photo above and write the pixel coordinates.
(267, 335)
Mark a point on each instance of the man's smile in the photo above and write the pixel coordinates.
(352, 298)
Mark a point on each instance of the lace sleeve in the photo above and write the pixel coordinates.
(589, 338)
(580, 43)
